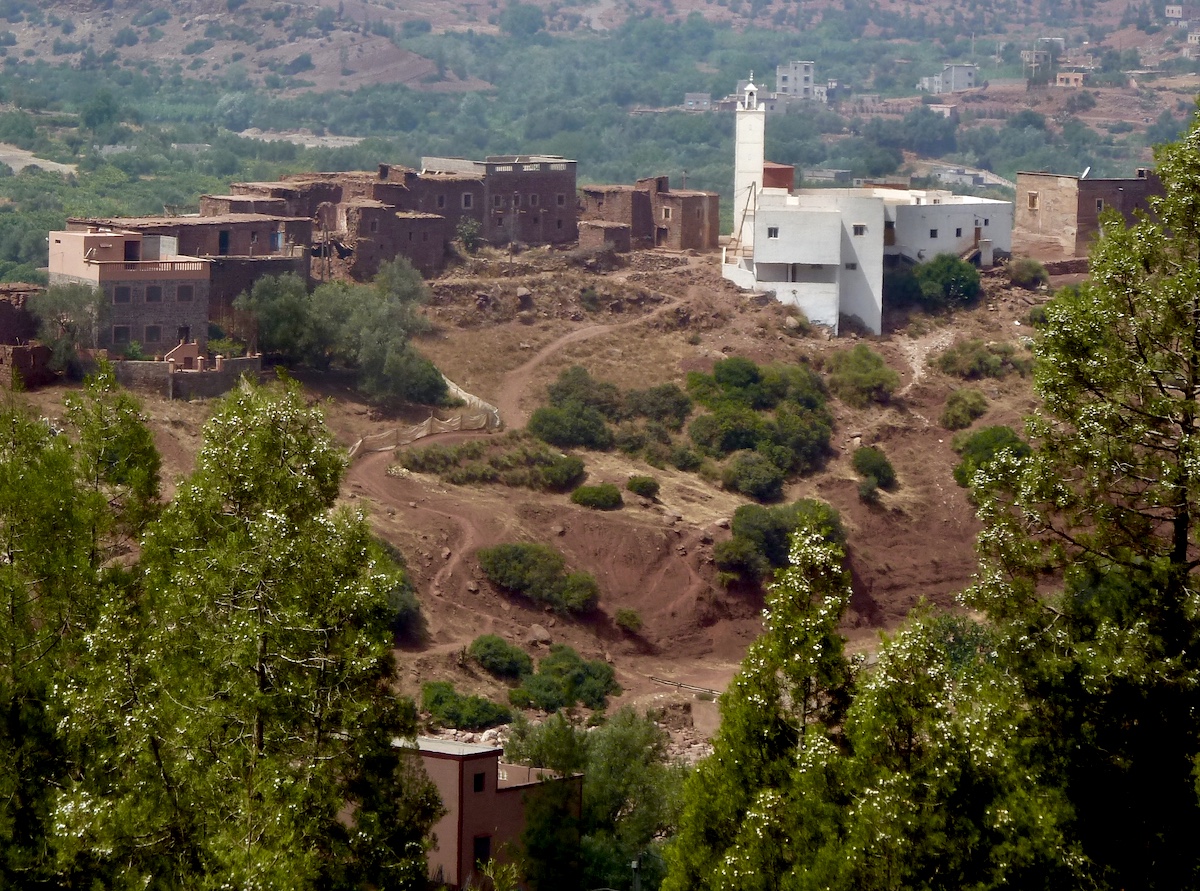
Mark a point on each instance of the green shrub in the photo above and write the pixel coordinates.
(448, 707)
(982, 447)
(630, 439)
(646, 486)
(868, 490)
(741, 557)
(604, 496)
(963, 407)
(500, 658)
(860, 376)
(1027, 273)
(538, 572)
(628, 620)
(729, 428)
(754, 476)
(571, 424)
(576, 386)
(683, 458)
(562, 679)
(666, 404)
(872, 464)
(947, 282)
(513, 459)
(974, 359)
(762, 535)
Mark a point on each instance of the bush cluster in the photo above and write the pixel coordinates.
(982, 447)
(945, 282)
(628, 620)
(563, 678)
(876, 471)
(871, 463)
(859, 377)
(581, 410)
(762, 535)
(963, 407)
(772, 419)
(645, 486)
(1027, 273)
(498, 657)
(538, 572)
(514, 459)
(975, 359)
(604, 496)
(449, 708)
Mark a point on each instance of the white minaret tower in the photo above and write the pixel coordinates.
(748, 155)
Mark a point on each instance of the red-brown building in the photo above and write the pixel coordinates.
(657, 216)
(485, 803)
(1056, 214)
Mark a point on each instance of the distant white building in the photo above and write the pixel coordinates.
(824, 250)
(953, 78)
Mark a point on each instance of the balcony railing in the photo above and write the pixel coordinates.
(115, 269)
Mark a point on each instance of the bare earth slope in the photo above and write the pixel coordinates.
(654, 320)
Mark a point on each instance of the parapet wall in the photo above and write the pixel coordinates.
(157, 377)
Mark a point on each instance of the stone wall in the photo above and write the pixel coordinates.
(168, 314)
(157, 377)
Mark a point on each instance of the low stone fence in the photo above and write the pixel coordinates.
(163, 379)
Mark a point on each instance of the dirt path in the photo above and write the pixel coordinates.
(917, 353)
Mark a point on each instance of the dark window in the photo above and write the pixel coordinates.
(482, 849)
(467, 200)
(153, 334)
(499, 220)
(889, 225)
(1032, 201)
(666, 213)
(479, 781)
(772, 232)
(860, 229)
(497, 201)
(441, 202)
(374, 225)
(533, 200)
(562, 200)
(133, 251)
(560, 224)
(933, 233)
(184, 335)
(122, 294)
(851, 265)
(185, 293)
(958, 233)
(223, 242)
(120, 334)
(1099, 205)
(154, 293)
(985, 221)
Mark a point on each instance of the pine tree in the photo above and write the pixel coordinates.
(253, 740)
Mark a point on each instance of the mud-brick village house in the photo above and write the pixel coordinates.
(238, 243)
(486, 804)
(656, 216)
(155, 295)
(1059, 216)
(168, 276)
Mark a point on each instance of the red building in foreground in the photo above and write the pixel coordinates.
(486, 802)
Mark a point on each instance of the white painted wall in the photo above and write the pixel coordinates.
(804, 235)
(862, 287)
(954, 221)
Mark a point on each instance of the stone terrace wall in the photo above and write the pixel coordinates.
(156, 377)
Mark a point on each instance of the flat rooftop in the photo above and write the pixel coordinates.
(135, 223)
(450, 747)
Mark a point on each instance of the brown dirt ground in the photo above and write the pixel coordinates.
(658, 317)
